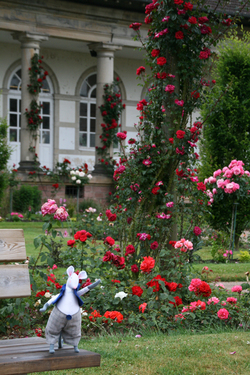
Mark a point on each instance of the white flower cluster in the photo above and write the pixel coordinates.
(76, 176)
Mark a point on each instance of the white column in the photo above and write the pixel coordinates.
(105, 75)
(30, 44)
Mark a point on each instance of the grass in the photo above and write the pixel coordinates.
(225, 271)
(168, 355)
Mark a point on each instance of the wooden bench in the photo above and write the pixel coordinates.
(22, 356)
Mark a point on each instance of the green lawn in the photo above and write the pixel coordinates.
(225, 271)
(220, 354)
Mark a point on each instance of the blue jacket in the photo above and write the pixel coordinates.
(80, 302)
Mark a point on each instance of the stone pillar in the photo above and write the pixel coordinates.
(30, 44)
(105, 74)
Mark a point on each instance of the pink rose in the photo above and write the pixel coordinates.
(179, 102)
(147, 162)
(213, 300)
(121, 135)
(237, 289)
(197, 231)
(61, 214)
(49, 207)
(170, 204)
(170, 88)
(223, 314)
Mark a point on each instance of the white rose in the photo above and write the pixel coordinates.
(72, 173)
(90, 176)
(47, 295)
(121, 295)
(81, 174)
(99, 218)
(78, 181)
(73, 178)
(77, 173)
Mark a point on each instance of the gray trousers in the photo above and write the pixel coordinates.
(70, 329)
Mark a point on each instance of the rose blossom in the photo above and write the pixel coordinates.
(147, 162)
(49, 207)
(61, 214)
(223, 314)
(147, 264)
(179, 102)
(170, 204)
(121, 135)
(197, 231)
(232, 300)
(134, 268)
(137, 290)
(194, 284)
(170, 88)
(215, 300)
(237, 289)
(140, 70)
(142, 307)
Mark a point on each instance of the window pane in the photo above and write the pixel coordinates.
(92, 80)
(92, 125)
(46, 108)
(19, 73)
(93, 94)
(19, 132)
(13, 105)
(115, 143)
(13, 135)
(19, 105)
(83, 139)
(45, 123)
(83, 109)
(84, 89)
(92, 140)
(13, 120)
(92, 110)
(45, 87)
(46, 137)
(14, 83)
(19, 121)
(83, 124)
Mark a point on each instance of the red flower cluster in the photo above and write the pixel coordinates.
(82, 235)
(140, 70)
(116, 260)
(95, 314)
(109, 240)
(129, 250)
(201, 186)
(147, 264)
(178, 301)
(114, 315)
(180, 134)
(110, 216)
(137, 290)
(203, 290)
(154, 283)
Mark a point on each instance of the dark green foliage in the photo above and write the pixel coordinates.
(27, 196)
(226, 133)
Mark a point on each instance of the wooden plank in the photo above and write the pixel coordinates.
(14, 281)
(12, 245)
(38, 361)
(25, 341)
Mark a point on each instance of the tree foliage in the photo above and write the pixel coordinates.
(226, 132)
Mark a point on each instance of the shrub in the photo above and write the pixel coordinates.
(86, 203)
(25, 197)
(244, 257)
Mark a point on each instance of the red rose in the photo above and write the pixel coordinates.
(161, 61)
(171, 140)
(116, 281)
(104, 113)
(201, 186)
(195, 94)
(155, 284)
(203, 290)
(178, 2)
(71, 243)
(140, 70)
(135, 26)
(155, 190)
(178, 301)
(203, 19)
(172, 286)
(197, 231)
(192, 20)
(155, 52)
(95, 314)
(108, 256)
(188, 6)
(134, 268)
(118, 261)
(129, 250)
(109, 240)
(179, 35)
(147, 264)
(137, 291)
(180, 134)
(154, 245)
(162, 75)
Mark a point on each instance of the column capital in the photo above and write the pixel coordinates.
(103, 49)
(29, 39)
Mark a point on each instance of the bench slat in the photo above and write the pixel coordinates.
(12, 245)
(14, 281)
(38, 360)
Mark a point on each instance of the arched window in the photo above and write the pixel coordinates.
(14, 118)
(87, 118)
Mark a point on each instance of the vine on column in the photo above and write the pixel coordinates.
(37, 75)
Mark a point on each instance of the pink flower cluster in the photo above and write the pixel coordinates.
(184, 245)
(222, 179)
(50, 207)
